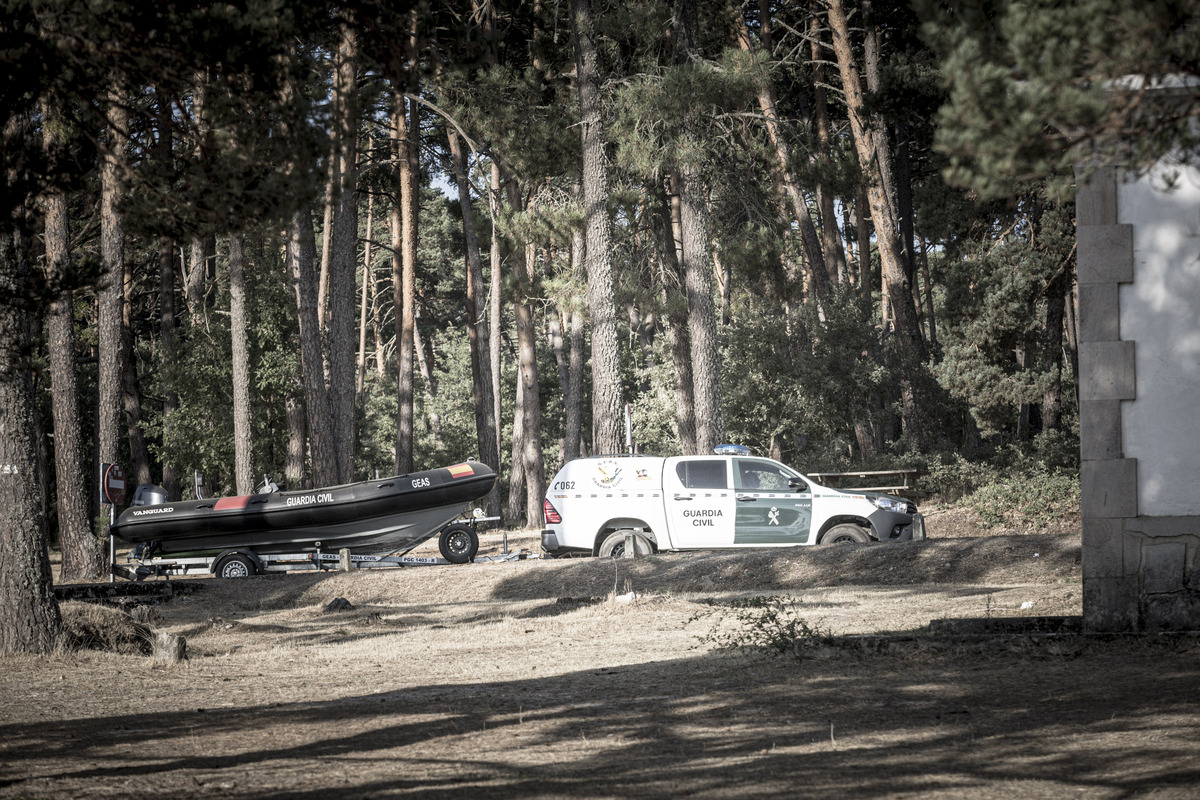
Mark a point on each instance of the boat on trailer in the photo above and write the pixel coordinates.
(385, 515)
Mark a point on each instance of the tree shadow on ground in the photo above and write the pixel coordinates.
(1115, 719)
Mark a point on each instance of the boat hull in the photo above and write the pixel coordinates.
(390, 514)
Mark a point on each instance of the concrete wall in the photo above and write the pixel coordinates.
(1139, 333)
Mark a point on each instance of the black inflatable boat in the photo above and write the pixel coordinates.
(393, 514)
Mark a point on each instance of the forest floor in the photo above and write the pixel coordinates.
(608, 679)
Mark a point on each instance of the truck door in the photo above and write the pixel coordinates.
(769, 511)
(699, 502)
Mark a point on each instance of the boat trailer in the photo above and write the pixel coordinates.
(243, 562)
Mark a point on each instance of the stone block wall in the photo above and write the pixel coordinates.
(1138, 264)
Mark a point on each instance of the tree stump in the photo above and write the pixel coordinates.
(169, 648)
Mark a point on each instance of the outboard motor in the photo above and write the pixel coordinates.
(267, 486)
(149, 495)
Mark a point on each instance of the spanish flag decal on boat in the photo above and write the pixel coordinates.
(460, 470)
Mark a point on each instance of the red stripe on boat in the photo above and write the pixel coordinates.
(460, 470)
(230, 503)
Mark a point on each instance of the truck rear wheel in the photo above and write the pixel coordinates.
(236, 566)
(613, 545)
(458, 543)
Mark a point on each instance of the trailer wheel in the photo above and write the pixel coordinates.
(613, 545)
(236, 566)
(846, 533)
(459, 543)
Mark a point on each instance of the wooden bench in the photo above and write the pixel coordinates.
(886, 480)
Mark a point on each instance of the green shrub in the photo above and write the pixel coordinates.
(1032, 497)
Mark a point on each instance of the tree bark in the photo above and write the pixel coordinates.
(831, 240)
(494, 312)
(166, 314)
(297, 424)
(576, 331)
(29, 615)
(606, 375)
(871, 148)
(239, 323)
(697, 267)
(531, 407)
(197, 265)
(302, 253)
(810, 241)
(139, 452)
(404, 242)
(343, 259)
(1052, 353)
(663, 225)
(82, 554)
(364, 303)
(110, 296)
(477, 333)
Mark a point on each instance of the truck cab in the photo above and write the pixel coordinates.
(728, 500)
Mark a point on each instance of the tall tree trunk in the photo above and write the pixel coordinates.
(606, 377)
(197, 264)
(139, 452)
(933, 341)
(697, 267)
(1071, 321)
(574, 323)
(531, 406)
(870, 145)
(424, 353)
(29, 615)
(364, 303)
(111, 293)
(1052, 352)
(663, 225)
(810, 242)
(404, 241)
(82, 553)
(343, 258)
(297, 424)
(831, 240)
(239, 323)
(302, 253)
(477, 333)
(167, 344)
(166, 309)
(573, 397)
(516, 464)
(495, 326)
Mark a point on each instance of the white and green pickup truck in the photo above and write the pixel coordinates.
(597, 506)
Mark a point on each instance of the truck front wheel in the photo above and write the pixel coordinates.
(613, 545)
(846, 533)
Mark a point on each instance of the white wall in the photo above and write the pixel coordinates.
(1160, 311)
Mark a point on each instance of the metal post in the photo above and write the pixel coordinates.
(112, 546)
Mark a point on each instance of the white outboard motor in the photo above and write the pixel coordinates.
(149, 495)
(267, 486)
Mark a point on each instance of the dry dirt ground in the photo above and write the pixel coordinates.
(602, 679)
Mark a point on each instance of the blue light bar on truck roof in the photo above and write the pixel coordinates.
(732, 450)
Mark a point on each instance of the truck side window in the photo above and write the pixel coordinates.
(702, 474)
(759, 476)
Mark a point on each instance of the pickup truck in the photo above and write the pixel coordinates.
(595, 506)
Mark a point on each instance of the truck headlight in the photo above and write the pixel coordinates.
(893, 504)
